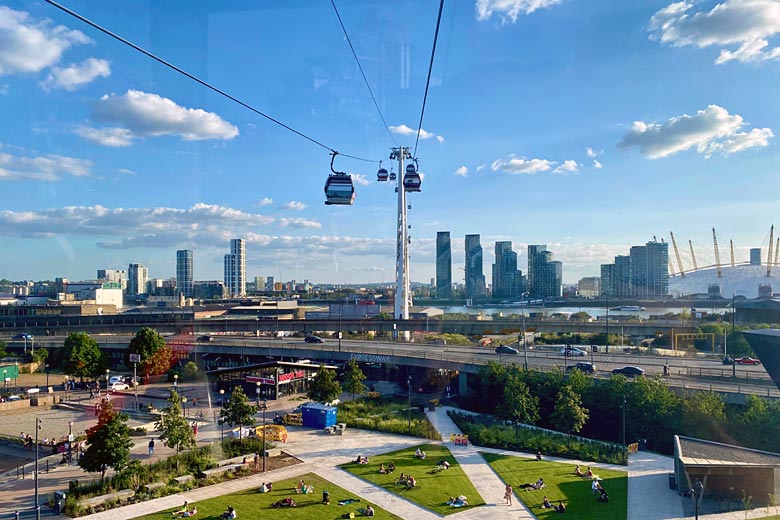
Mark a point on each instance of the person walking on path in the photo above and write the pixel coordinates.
(151, 447)
(508, 495)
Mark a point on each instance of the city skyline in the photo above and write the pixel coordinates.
(547, 122)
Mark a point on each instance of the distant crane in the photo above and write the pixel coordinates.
(769, 253)
(731, 245)
(693, 256)
(677, 254)
(717, 253)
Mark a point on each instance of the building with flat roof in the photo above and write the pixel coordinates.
(235, 268)
(475, 278)
(184, 272)
(443, 265)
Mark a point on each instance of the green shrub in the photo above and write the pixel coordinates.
(386, 415)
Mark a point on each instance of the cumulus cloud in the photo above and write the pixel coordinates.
(590, 152)
(28, 45)
(481, 167)
(125, 171)
(597, 164)
(294, 205)
(299, 223)
(41, 168)
(108, 136)
(509, 10)
(266, 201)
(520, 165)
(710, 130)
(744, 25)
(148, 115)
(406, 130)
(462, 171)
(360, 179)
(76, 75)
(568, 166)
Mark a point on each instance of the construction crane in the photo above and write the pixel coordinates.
(677, 254)
(731, 245)
(693, 256)
(717, 253)
(769, 253)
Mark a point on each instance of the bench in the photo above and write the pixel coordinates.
(183, 479)
(153, 486)
(120, 496)
(220, 470)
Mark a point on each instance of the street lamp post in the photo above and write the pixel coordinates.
(222, 421)
(70, 441)
(47, 374)
(263, 408)
(409, 403)
(184, 407)
(38, 426)
(175, 381)
(339, 321)
(525, 339)
(5, 381)
(606, 300)
(107, 372)
(624, 422)
(257, 392)
(698, 490)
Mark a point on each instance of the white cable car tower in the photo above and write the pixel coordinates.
(403, 294)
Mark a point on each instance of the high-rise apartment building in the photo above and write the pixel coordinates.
(443, 265)
(235, 268)
(113, 276)
(137, 276)
(184, 272)
(507, 280)
(475, 278)
(644, 273)
(622, 284)
(545, 276)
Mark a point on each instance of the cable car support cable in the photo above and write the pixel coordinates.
(428, 81)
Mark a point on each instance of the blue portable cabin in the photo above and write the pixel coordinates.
(316, 415)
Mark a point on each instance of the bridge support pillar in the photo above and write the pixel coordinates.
(463, 384)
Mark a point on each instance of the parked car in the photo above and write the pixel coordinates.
(23, 336)
(205, 338)
(573, 352)
(582, 366)
(506, 349)
(747, 360)
(314, 339)
(629, 371)
(116, 379)
(13, 398)
(119, 386)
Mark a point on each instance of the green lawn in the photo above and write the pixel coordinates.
(251, 504)
(562, 484)
(433, 488)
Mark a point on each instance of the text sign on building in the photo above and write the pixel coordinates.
(290, 376)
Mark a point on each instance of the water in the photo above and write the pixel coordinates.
(593, 311)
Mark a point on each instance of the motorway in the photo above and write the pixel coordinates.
(701, 372)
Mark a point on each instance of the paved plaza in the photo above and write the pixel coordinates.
(649, 495)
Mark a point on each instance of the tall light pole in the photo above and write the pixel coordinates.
(402, 288)
(257, 393)
(135, 359)
(47, 374)
(5, 380)
(624, 423)
(525, 340)
(222, 421)
(184, 407)
(409, 403)
(107, 372)
(339, 296)
(38, 426)
(606, 300)
(175, 381)
(263, 408)
(70, 441)
(698, 490)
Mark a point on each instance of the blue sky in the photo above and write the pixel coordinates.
(586, 125)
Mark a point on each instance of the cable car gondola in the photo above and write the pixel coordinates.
(412, 180)
(382, 174)
(339, 189)
(392, 176)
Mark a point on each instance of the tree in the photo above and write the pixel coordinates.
(569, 415)
(517, 404)
(109, 443)
(150, 345)
(82, 356)
(40, 355)
(353, 379)
(3, 352)
(703, 415)
(176, 431)
(190, 371)
(324, 388)
(238, 411)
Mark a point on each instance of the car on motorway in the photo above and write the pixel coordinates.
(204, 339)
(629, 371)
(582, 366)
(573, 352)
(746, 360)
(119, 386)
(313, 339)
(23, 336)
(506, 349)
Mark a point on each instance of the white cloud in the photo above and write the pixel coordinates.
(125, 171)
(406, 130)
(509, 10)
(43, 168)
(590, 152)
(744, 24)
(28, 45)
(294, 205)
(145, 115)
(520, 165)
(76, 75)
(299, 223)
(462, 171)
(107, 136)
(481, 167)
(360, 179)
(568, 166)
(266, 201)
(597, 164)
(709, 130)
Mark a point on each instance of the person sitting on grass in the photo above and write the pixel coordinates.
(410, 482)
(578, 471)
(382, 469)
(190, 513)
(369, 511)
(299, 487)
(285, 502)
(229, 514)
(183, 509)
(390, 467)
(560, 508)
(443, 465)
(458, 502)
(420, 454)
(589, 473)
(539, 484)
(263, 488)
(546, 503)
(363, 460)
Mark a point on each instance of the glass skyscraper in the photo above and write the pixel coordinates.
(443, 265)
(475, 278)
(184, 272)
(235, 268)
